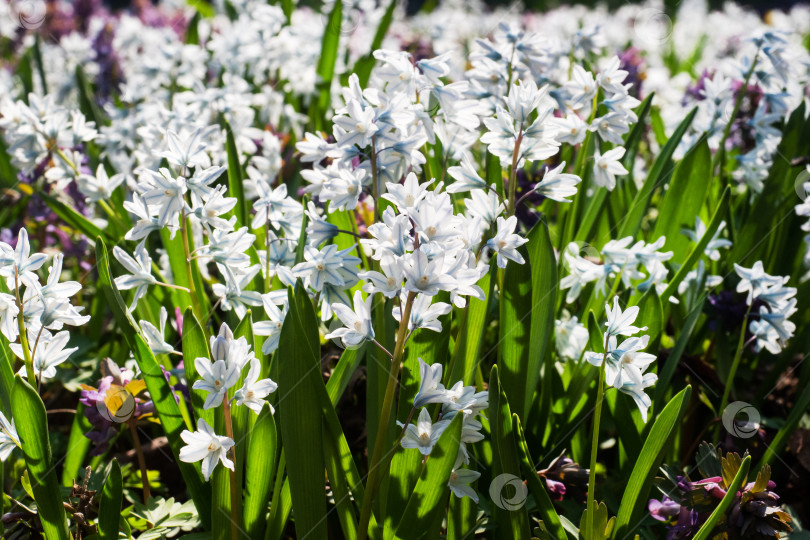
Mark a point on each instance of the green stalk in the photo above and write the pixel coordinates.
(195, 300)
(513, 174)
(226, 410)
(600, 393)
(734, 365)
(375, 475)
(29, 362)
(375, 185)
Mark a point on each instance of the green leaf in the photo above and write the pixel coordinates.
(719, 512)
(168, 410)
(683, 199)
(505, 458)
(638, 485)
(77, 447)
(32, 427)
(300, 416)
(699, 248)
(345, 368)
(236, 187)
(515, 330)
(424, 503)
(195, 345)
(544, 298)
(330, 46)
(73, 218)
(87, 102)
(112, 496)
(657, 175)
(665, 374)
(473, 323)
(537, 488)
(365, 65)
(260, 467)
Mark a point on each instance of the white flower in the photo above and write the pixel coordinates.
(18, 263)
(254, 391)
(620, 323)
(8, 438)
(206, 446)
(570, 337)
(754, 280)
(582, 88)
(99, 187)
(424, 314)
(466, 176)
(357, 323)
(271, 328)
(50, 352)
(424, 434)
(426, 277)
(154, 336)
(165, 192)
(714, 245)
(459, 483)
(216, 379)
(635, 389)
(188, 152)
(557, 185)
(624, 362)
(430, 387)
(506, 242)
(140, 269)
(606, 166)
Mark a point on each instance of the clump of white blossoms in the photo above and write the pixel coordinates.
(770, 326)
(624, 364)
(35, 312)
(219, 375)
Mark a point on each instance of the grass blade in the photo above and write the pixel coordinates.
(32, 427)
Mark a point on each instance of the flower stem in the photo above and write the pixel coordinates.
(513, 174)
(375, 185)
(375, 475)
(195, 300)
(141, 461)
(734, 365)
(226, 410)
(29, 361)
(597, 417)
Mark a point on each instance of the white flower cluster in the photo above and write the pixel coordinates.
(425, 434)
(621, 259)
(625, 364)
(230, 356)
(776, 303)
(45, 307)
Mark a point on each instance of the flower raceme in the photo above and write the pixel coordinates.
(218, 378)
(625, 363)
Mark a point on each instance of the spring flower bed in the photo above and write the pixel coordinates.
(342, 271)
